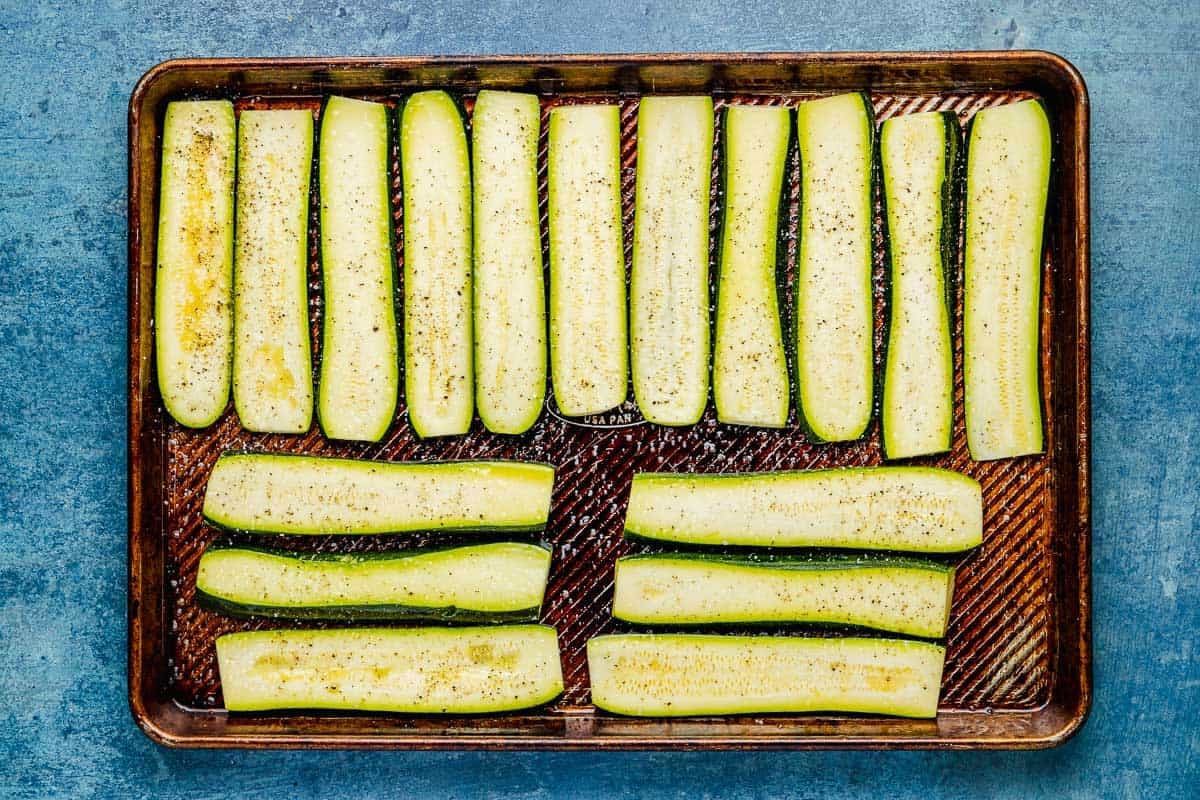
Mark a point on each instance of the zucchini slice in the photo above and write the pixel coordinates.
(500, 582)
(669, 322)
(750, 372)
(1008, 175)
(589, 358)
(408, 670)
(268, 493)
(438, 362)
(193, 302)
(917, 509)
(903, 595)
(272, 364)
(917, 155)
(834, 305)
(509, 290)
(360, 366)
(647, 675)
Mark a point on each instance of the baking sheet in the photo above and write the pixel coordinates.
(1017, 670)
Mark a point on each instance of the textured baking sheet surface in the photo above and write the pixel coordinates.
(1000, 645)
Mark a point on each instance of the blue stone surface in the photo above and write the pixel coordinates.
(65, 78)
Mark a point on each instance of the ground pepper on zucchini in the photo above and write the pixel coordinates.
(406, 670)
(360, 371)
(266, 493)
(494, 582)
(888, 508)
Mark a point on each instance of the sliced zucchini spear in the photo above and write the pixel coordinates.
(669, 322)
(193, 300)
(509, 291)
(675, 675)
(903, 595)
(917, 154)
(1008, 175)
(750, 373)
(410, 670)
(267, 493)
(438, 361)
(915, 509)
(272, 365)
(360, 374)
(834, 304)
(589, 356)
(500, 582)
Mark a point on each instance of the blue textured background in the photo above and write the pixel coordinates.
(66, 75)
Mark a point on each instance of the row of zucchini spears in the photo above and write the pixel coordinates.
(419, 669)
(909, 509)
(474, 300)
(889, 508)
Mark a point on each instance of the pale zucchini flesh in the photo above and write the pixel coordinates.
(914, 509)
(672, 675)
(917, 154)
(497, 582)
(1008, 174)
(360, 368)
(509, 289)
(834, 326)
(407, 670)
(263, 493)
(438, 346)
(272, 366)
(669, 298)
(901, 595)
(193, 290)
(750, 372)
(589, 360)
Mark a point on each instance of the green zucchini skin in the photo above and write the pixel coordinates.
(810, 427)
(455, 561)
(237, 474)
(678, 675)
(947, 240)
(809, 559)
(365, 613)
(933, 510)
(897, 594)
(425, 670)
(983, 442)
(482, 529)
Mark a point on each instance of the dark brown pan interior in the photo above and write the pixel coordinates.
(1016, 671)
